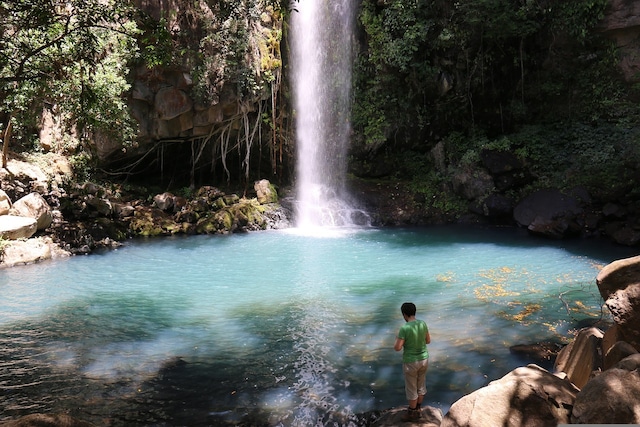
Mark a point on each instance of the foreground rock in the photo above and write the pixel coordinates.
(430, 417)
(612, 397)
(619, 285)
(527, 396)
(46, 420)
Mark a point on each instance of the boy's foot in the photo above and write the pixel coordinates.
(412, 414)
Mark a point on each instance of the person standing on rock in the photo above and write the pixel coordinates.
(413, 338)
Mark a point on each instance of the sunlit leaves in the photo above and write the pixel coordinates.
(69, 55)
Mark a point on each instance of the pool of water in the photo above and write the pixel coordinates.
(279, 327)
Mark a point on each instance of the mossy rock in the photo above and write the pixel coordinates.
(151, 222)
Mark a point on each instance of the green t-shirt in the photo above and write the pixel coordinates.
(414, 334)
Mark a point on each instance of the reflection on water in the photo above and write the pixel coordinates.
(278, 328)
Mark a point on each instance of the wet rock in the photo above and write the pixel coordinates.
(542, 352)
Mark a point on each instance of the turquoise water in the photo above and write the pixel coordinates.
(278, 328)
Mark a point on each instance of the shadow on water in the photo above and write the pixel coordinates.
(515, 237)
(297, 364)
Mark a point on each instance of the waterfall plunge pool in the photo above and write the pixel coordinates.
(279, 328)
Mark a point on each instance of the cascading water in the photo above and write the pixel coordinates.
(322, 65)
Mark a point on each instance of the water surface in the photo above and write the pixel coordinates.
(278, 328)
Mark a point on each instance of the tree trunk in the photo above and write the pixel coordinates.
(5, 143)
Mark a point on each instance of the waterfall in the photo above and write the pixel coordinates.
(321, 57)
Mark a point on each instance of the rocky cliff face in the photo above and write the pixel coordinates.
(622, 24)
(221, 86)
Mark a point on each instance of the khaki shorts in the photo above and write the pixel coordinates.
(415, 374)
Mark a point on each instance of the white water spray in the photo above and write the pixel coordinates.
(322, 33)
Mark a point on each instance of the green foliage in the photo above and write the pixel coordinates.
(481, 67)
(156, 43)
(69, 57)
(226, 50)
(390, 77)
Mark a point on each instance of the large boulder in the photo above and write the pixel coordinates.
(14, 227)
(29, 251)
(527, 396)
(33, 205)
(429, 417)
(619, 285)
(5, 203)
(582, 356)
(549, 212)
(613, 397)
(265, 191)
(473, 185)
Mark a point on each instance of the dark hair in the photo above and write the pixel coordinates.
(408, 308)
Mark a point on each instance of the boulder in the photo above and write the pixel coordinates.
(5, 203)
(29, 251)
(497, 206)
(527, 396)
(14, 227)
(507, 169)
(46, 420)
(164, 201)
(618, 352)
(611, 336)
(473, 185)
(265, 192)
(619, 285)
(548, 212)
(613, 397)
(430, 417)
(581, 357)
(33, 205)
(102, 206)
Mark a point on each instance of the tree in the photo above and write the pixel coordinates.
(68, 56)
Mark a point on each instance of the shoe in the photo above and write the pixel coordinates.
(411, 415)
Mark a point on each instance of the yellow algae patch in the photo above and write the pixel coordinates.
(487, 292)
(527, 311)
(445, 277)
(580, 307)
(500, 283)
